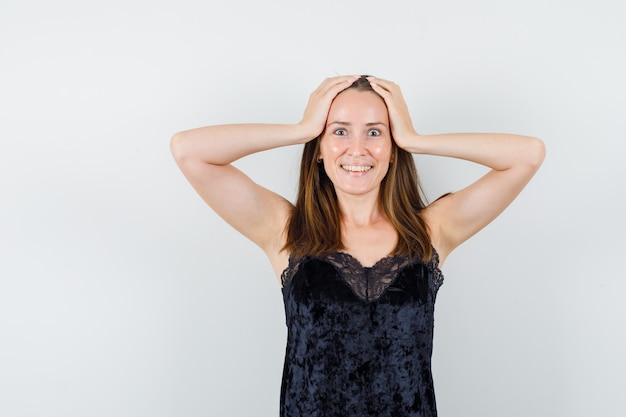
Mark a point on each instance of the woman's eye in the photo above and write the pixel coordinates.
(374, 132)
(340, 132)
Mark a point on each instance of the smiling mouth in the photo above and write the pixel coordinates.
(356, 168)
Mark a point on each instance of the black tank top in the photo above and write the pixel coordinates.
(359, 338)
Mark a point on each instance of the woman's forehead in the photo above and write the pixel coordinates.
(353, 106)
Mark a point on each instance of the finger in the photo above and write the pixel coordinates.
(331, 81)
(381, 90)
(387, 85)
(381, 81)
(337, 84)
(389, 91)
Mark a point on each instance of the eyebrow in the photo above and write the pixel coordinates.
(350, 124)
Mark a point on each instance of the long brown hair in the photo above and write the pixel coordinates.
(314, 226)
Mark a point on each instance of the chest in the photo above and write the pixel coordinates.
(393, 299)
(368, 245)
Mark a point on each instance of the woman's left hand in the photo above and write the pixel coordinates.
(402, 129)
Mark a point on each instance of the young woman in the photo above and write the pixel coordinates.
(359, 253)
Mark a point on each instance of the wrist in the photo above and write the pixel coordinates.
(304, 133)
(412, 142)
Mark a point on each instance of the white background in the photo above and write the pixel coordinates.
(121, 294)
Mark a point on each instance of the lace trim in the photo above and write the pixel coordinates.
(291, 270)
(435, 272)
(367, 283)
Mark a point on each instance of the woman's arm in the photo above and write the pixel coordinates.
(205, 155)
(513, 160)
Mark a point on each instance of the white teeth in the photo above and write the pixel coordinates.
(356, 168)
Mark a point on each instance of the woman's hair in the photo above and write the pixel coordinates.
(314, 226)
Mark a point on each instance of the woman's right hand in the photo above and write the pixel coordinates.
(316, 112)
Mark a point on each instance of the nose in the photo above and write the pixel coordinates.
(356, 146)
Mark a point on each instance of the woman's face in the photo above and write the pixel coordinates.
(356, 144)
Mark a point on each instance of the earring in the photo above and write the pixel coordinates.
(319, 159)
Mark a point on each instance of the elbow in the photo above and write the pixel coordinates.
(177, 146)
(536, 152)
